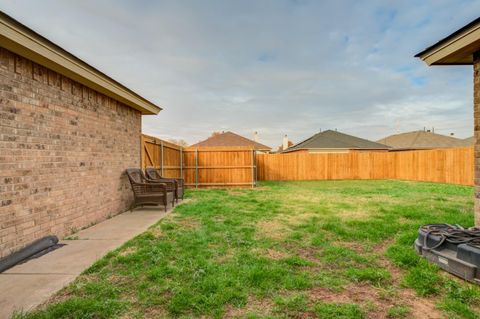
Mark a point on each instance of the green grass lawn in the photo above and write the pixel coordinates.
(326, 249)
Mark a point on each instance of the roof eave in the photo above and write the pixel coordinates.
(335, 148)
(455, 49)
(23, 41)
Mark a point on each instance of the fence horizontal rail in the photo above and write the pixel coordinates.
(202, 166)
(218, 184)
(454, 165)
(220, 167)
(241, 166)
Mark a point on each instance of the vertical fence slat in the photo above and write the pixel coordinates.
(253, 171)
(196, 168)
(256, 167)
(181, 163)
(224, 166)
(142, 152)
(453, 165)
(161, 156)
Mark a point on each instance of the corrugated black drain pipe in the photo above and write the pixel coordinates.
(30, 250)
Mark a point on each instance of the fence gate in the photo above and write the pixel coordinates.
(162, 155)
(202, 166)
(219, 167)
(242, 167)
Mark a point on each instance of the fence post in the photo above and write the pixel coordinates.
(161, 155)
(142, 151)
(196, 168)
(181, 162)
(253, 168)
(256, 166)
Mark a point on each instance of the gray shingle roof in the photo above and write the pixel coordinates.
(335, 140)
(469, 141)
(421, 140)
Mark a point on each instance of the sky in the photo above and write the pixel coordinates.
(277, 67)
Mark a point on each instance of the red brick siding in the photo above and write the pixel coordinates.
(63, 152)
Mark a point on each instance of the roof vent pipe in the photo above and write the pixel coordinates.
(285, 142)
(255, 136)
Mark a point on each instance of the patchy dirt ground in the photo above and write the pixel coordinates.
(336, 249)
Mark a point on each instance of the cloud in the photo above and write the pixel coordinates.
(276, 67)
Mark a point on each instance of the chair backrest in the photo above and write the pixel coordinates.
(135, 175)
(137, 178)
(152, 173)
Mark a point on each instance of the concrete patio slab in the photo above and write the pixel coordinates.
(72, 258)
(30, 284)
(119, 228)
(25, 291)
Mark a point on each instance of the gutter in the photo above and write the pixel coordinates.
(25, 42)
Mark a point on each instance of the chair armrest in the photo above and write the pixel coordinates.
(149, 180)
(165, 181)
(153, 186)
(180, 181)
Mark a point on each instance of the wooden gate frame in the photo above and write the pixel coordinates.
(197, 167)
(147, 156)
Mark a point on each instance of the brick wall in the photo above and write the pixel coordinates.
(476, 128)
(63, 152)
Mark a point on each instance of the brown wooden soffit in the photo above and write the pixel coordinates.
(23, 41)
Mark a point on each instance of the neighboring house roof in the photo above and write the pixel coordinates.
(231, 139)
(335, 140)
(469, 141)
(25, 42)
(420, 140)
(457, 48)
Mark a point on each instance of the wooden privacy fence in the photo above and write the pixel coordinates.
(454, 165)
(241, 166)
(219, 166)
(163, 155)
(202, 166)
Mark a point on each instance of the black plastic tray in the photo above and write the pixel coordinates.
(462, 260)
